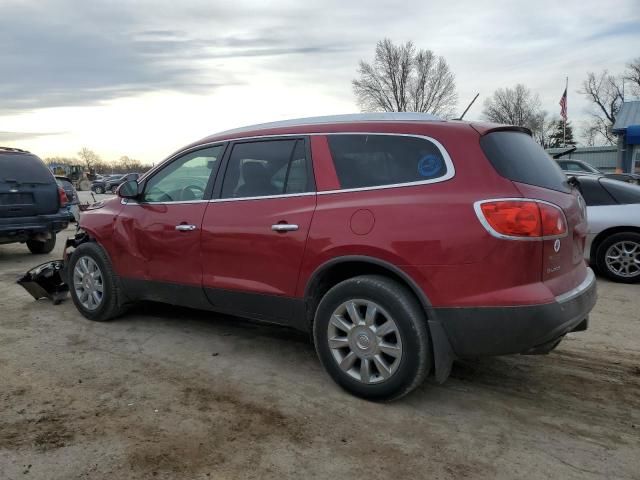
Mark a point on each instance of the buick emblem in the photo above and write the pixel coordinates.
(556, 245)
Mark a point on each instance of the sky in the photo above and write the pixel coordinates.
(143, 78)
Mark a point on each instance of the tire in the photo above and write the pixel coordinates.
(38, 247)
(83, 259)
(627, 270)
(405, 370)
(99, 190)
(114, 188)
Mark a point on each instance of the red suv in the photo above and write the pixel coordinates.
(400, 241)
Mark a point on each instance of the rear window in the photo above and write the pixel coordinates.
(517, 157)
(623, 192)
(24, 168)
(376, 160)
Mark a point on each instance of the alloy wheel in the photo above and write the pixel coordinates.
(364, 341)
(623, 259)
(88, 283)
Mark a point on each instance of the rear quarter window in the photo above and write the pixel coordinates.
(24, 168)
(365, 160)
(517, 157)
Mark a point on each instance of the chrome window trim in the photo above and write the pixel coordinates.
(264, 197)
(477, 208)
(450, 168)
(130, 201)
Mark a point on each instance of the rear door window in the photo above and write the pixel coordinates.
(267, 168)
(623, 192)
(517, 157)
(365, 160)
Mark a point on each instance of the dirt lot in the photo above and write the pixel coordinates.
(177, 394)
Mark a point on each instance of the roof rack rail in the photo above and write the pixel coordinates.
(12, 149)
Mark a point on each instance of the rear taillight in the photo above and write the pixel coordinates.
(521, 219)
(63, 197)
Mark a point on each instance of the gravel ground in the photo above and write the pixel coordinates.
(178, 394)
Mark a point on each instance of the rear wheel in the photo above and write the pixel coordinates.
(99, 190)
(618, 257)
(40, 247)
(370, 334)
(92, 283)
(114, 188)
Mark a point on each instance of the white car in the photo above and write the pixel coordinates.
(613, 213)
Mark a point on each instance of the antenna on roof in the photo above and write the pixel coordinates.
(468, 107)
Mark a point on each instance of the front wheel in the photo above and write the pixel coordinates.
(99, 190)
(618, 257)
(92, 283)
(371, 337)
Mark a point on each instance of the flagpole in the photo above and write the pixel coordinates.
(564, 120)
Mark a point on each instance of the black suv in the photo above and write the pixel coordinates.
(31, 201)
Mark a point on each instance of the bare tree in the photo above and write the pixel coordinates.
(127, 164)
(633, 76)
(89, 158)
(543, 129)
(605, 93)
(403, 79)
(514, 106)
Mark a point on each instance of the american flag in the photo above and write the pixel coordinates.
(563, 105)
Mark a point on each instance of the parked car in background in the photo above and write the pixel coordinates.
(613, 242)
(32, 203)
(72, 198)
(371, 231)
(99, 185)
(578, 166)
(112, 183)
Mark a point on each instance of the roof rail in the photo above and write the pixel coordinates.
(11, 149)
(350, 117)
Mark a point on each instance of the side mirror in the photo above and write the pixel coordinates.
(128, 189)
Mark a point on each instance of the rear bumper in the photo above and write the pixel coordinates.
(479, 331)
(20, 229)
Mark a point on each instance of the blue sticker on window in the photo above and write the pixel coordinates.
(429, 165)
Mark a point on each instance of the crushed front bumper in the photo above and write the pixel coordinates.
(46, 281)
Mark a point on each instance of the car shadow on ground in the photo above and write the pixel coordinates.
(570, 379)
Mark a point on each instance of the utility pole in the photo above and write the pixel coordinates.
(564, 120)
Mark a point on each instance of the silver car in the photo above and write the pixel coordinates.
(613, 212)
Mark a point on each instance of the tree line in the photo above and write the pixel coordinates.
(403, 78)
(92, 162)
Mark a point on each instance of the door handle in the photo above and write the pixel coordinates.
(284, 227)
(185, 228)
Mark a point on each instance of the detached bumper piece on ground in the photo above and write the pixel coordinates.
(46, 281)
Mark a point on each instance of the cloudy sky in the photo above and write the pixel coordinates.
(142, 78)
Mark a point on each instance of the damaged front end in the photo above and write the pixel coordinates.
(46, 281)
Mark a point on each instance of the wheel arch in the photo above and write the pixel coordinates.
(348, 266)
(342, 268)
